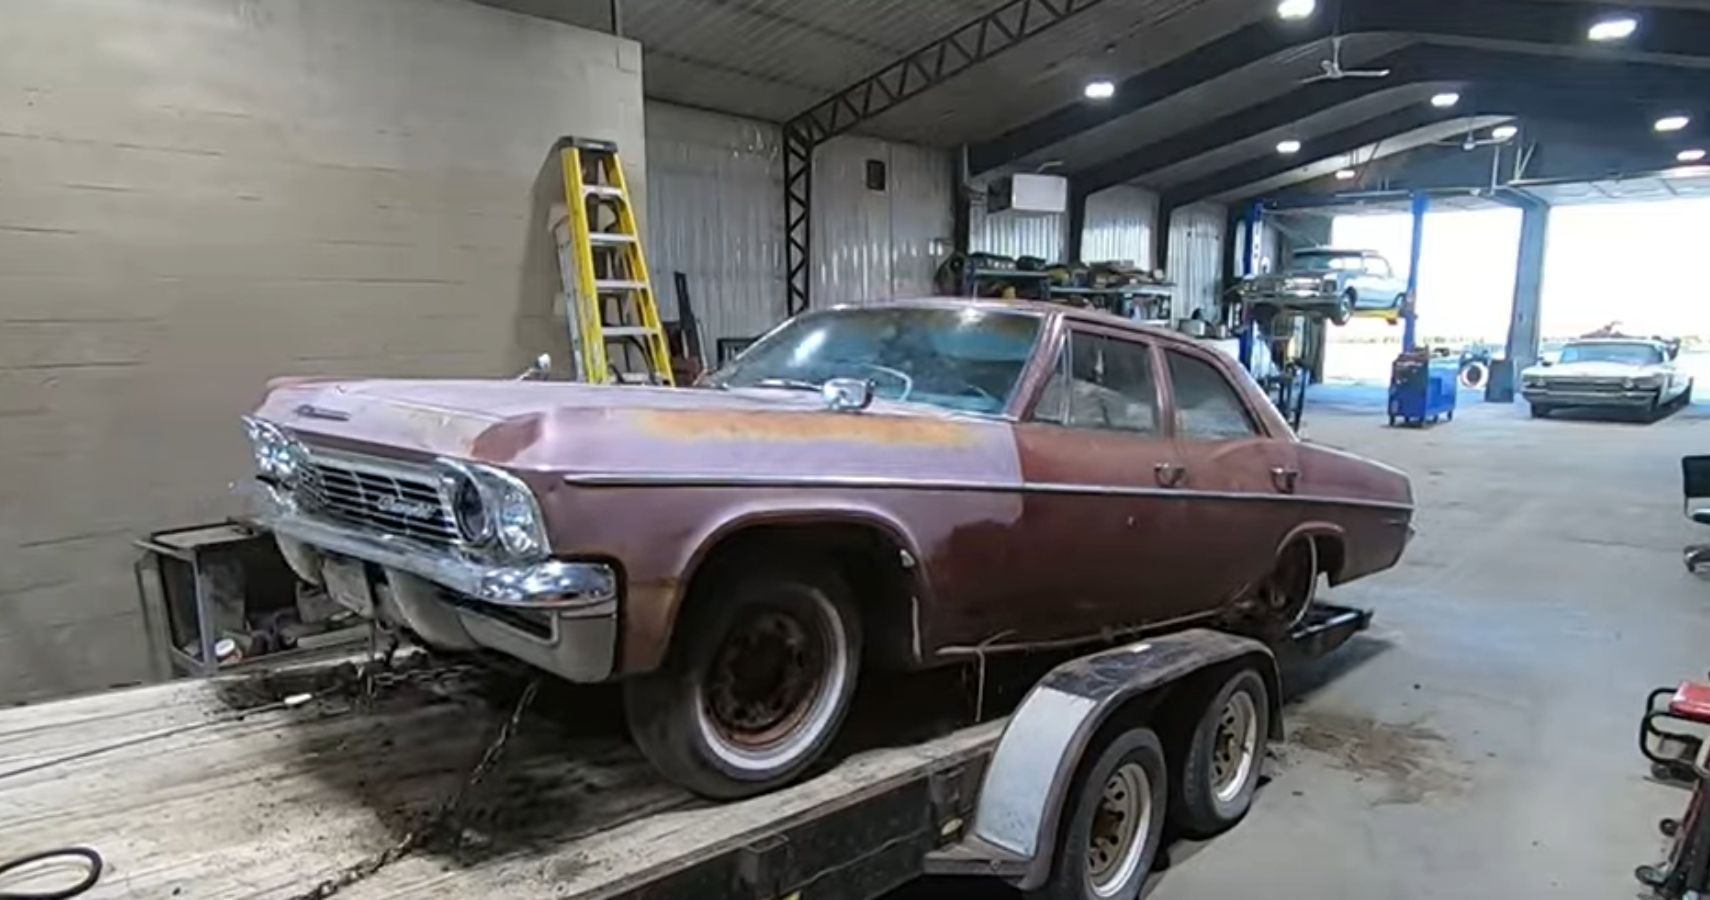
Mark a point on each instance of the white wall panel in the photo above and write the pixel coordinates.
(716, 214)
(1016, 234)
(1119, 225)
(1196, 258)
(877, 245)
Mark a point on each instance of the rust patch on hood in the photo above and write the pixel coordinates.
(759, 426)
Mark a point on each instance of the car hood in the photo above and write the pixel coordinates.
(1610, 370)
(631, 430)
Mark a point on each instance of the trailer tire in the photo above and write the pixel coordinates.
(725, 726)
(1224, 758)
(1118, 799)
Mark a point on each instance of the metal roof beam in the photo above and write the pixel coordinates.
(1665, 32)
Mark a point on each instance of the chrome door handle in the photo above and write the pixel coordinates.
(1285, 479)
(1169, 474)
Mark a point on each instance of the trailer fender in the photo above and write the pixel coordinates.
(1033, 768)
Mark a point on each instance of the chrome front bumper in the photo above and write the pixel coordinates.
(1634, 398)
(559, 616)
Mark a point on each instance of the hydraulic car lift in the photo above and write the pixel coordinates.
(307, 784)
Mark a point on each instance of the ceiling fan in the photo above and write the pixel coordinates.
(1333, 70)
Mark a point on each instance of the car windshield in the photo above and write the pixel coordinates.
(1342, 262)
(1629, 354)
(967, 360)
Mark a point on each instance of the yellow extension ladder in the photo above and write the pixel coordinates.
(615, 333)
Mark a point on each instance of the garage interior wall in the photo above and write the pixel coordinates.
(877, 244)
(1014, 234)
(1196, 258)
(196, 195)
(1119, 225)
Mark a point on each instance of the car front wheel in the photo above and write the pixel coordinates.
(1344, 308)
(757, 684)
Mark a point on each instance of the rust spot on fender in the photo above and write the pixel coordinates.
(807, 428)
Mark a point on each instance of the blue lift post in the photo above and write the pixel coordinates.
(1250, 247)
(1410, 316)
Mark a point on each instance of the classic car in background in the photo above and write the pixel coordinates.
(1608, 372)
(894, 486)
(1337, 283)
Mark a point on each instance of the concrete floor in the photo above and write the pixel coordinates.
(1479, 740)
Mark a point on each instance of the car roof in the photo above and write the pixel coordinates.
(1336, 251)
(1031, 307)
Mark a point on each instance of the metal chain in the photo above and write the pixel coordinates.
(447, 819)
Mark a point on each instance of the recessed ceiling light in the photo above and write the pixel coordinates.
(1504, 132)
(1445, 99)
(1672, 123)
(1288, 147)
(1346, 174)
(1690, 156)
(1296, 9)
(1618, 28)
(1100, 90)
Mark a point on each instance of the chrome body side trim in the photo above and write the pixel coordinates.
(597, 479)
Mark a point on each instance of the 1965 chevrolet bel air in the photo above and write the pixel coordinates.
(894, 486)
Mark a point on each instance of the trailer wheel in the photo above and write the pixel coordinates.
(1224, 758)
(757, 684)
(1113, 823)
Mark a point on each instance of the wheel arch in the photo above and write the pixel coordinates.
(1330, 545)
(1048, 738)
(887, 594)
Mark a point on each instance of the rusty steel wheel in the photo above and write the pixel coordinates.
(1286, 594)
(761, 672)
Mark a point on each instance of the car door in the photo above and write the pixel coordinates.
(1235, 483)
(1374, 284)
(1099, 470)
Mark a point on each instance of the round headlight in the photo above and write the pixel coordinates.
(469, 509)
(277, 455)
(1629, 384)
(519, 521)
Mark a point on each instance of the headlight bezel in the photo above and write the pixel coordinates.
(511, 524)
(280, 458)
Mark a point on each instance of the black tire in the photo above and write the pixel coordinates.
(1213, 789)
(1344, 308)
(674, 713)
(1540, 411)
(1072, 865)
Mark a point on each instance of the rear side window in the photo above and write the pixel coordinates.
(1207, 404)
(1102, 383)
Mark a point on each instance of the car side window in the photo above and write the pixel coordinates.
(1208, 407)
(1378, 267)
(1102, 383)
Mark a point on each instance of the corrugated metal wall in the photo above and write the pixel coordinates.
(716, 212)
(875, 245)
(1196, 258)
(1119, 226)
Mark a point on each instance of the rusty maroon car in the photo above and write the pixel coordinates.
(890, 486)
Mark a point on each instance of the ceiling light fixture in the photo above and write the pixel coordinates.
(1296, 9)
(1672, 123)
(1618, 28)
(1287, 148)
(1504, 132)
(1100, 90)
(1690, 156)
(1445, 99)
(1346, 174)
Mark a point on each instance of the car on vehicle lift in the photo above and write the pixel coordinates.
(1619, 373)
(1337, 283)
(899, 485)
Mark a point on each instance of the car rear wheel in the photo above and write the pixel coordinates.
(757, 684)
(1270, 609)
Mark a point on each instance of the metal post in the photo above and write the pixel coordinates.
(617, 18)
(1523, 331)
(1410, 329)
(1250, 226)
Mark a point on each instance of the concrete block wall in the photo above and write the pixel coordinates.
(196, 195)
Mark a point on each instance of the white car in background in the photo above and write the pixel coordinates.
(1616, 373)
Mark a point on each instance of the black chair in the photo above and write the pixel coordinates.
(1695, 483)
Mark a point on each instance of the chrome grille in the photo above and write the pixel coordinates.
(390, 497)
(1584, 385)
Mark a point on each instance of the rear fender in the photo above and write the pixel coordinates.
(1032, 772)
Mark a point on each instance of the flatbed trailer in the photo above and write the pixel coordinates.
(419, 782)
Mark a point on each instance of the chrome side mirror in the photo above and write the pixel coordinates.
(538, 369)
(847, 394)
